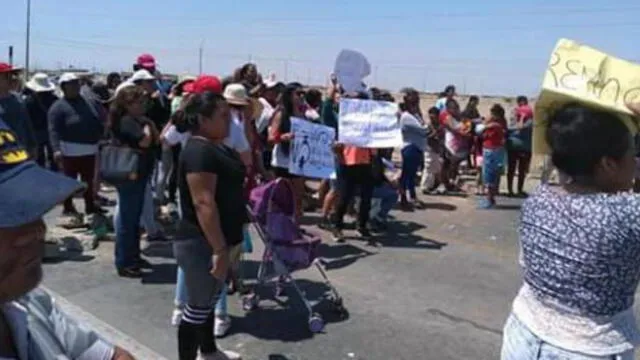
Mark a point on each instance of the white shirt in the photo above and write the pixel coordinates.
(172, 136)
(237, 138)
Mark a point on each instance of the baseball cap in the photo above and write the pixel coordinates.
(8, 68)
(204, 83)
(146, 61)
(20, 177)
(141, 75)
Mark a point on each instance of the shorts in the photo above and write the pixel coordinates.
(193, 256)
(492, 164)
(284, 173)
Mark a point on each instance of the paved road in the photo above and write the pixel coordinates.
(439, 287)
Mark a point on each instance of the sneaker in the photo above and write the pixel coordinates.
(157, 238)
(221, 326)
(325, 224)
(176, 316)
(221, 355)
(336, 235)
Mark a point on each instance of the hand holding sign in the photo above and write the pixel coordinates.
(577, 73)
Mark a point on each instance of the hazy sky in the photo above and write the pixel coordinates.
(488, 47)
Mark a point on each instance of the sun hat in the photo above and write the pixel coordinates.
(141, 75)
(204, 83)
(40, 83)
(68, 77)
(20, 177)
(146, 61)
(8, 68)
(236, 94)
(123, 85)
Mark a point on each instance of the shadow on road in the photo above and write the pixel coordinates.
(161, 274)
(285, 318)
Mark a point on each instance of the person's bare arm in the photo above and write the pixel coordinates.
(121, 354)
(203, 194)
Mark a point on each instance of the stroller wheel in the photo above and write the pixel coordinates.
(316, 324)
(249, 302)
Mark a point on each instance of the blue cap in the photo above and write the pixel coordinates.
(27, 190)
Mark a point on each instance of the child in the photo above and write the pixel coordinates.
(493, 131)
(432, 161)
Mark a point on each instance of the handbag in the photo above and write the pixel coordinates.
(119, 164)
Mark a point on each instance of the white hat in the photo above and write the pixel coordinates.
(270, 82)
(124, 84)
(68, 77)
(236, 94)
(141, 75)
(40, 83)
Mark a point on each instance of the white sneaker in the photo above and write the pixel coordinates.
(176, 316)
(221, 355)
(221, 326)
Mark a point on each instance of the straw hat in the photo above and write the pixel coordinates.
(236, 94)
(40, 82)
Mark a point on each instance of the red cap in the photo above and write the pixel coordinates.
(7, 68)
(206, 83)
(188, 87)
(146, 61)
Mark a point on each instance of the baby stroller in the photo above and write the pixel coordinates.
(288, 248)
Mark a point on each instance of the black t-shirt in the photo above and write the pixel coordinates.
(202, 156)
(129, 131)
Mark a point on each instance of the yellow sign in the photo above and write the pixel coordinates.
(578, 73)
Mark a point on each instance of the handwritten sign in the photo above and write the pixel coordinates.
(350, 68)
(311, 149)
(369, 124)
(578, 73)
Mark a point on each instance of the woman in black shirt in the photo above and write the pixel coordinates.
(210, 183)
(129, 127)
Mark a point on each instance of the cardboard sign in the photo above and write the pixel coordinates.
(311, 149)
(350, 68)
(369, 124)
(578, 73)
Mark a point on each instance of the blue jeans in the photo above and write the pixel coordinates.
(388, 198)
(492, 165)
(181, 294)
(519, 343)
(127, 221)
(411, 161)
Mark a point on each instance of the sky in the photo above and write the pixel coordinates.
(491, 47)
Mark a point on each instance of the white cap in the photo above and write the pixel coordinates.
(141, 75)
(124, 84)
(236, 94)
(68, 77)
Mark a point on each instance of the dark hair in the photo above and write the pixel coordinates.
(451, 101)
(112, 77)
(522, 98)
(449, 88)
(186, 118)
(474, 98)
(498, 111)
(580, 136)
(434, 110)
(313, 97)
(287, 112)
(118, 108)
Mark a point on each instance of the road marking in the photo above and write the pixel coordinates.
(108, 332)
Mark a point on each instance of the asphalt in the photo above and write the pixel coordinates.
(439, 285)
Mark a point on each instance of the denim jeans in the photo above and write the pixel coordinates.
(388, 197)
(127, 217)
(519, 343)
(411, 160)
(181, 294)
(148, 218)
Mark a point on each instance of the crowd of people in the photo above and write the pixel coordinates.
(204, 142)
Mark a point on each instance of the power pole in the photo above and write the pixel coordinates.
(11, 55)
(27, 41)
(200, 55)
(286, 70)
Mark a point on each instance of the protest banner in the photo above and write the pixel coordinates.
(578, 73)
(311, 149)
(368, 123)
(350, 68)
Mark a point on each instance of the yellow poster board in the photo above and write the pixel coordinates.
(578, 73)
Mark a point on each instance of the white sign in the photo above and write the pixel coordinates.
(369, 124)
(350, 68)
(311, 149)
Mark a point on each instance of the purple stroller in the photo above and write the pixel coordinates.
(287, 247)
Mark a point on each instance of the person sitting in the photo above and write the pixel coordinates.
(22, 231)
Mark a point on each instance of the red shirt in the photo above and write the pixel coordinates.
(524, 112)
(494, 137)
